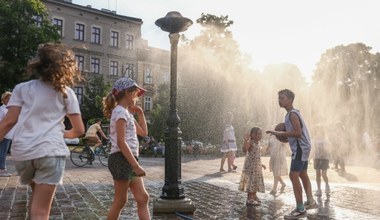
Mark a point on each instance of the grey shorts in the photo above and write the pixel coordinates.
(321, 164)
(45, 170)
(119, 167)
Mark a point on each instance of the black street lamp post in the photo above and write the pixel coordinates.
(173, 194)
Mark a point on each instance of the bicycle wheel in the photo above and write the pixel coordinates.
(103, 153)
(80, 156)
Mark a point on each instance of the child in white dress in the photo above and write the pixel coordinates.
(277, 163)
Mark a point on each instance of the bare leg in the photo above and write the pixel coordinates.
(222, 162)
(306, 185)
(42, 197)
(142, 198)
(318, 179)
(229, 161)
(297, 188)
(324, 175)
(119, 200)
(275, 183)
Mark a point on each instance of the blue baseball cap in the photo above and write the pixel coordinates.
(127, 83)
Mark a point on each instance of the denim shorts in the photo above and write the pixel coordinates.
(298, 165)
(119, 167)
(45, 170)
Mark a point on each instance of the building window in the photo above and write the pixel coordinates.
(37, 20)
(129, 41)
(95, 65)
(114, 67)
(95, 35)
(114, 40)
(148, 78)
(79, 92)
(79, 32)
(80, 62)
(129, 71)
(59, 24)
(148, 103)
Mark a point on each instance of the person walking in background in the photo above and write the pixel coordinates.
(119, 106)
(340, 148)
(321, 155)
(277, 163)
(229, 146)
(6, 142)
(92, 134)
(252, 180)
(39, 108)
(299, 141)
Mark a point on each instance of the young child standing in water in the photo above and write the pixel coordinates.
(321, 157)
(119, 106)
(39, 108)
(252, 180)
(277, 163)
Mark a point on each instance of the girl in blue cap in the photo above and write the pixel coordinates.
(120, 106)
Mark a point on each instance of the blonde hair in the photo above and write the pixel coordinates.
(5, 95)
(56, 64)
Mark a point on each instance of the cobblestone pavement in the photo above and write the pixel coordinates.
(87, 193)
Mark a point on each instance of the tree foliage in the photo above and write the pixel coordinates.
(347, 79)
(160, 112)
(210, 64)
(95, 89)
(20, 36)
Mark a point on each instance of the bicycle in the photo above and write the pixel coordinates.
(83, 155)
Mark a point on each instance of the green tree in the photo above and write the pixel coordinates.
(95, 89)
(24, 24)
(210, 67)
(347, 77)
(160, 112)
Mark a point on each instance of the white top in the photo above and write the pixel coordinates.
(320, 149)
(39, 130)
(229, 139)
(3, 112)
(120, 113)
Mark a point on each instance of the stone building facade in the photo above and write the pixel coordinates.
(110, 44)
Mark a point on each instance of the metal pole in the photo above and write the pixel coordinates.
(173, 188)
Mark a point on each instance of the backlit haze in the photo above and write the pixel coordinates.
(272, 31)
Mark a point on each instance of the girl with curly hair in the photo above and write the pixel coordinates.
(36, 110)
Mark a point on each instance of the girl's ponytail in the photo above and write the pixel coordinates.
(109, 103)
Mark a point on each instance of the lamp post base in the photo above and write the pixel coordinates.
(173, 205)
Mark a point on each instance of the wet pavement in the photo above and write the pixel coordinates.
(87, 193)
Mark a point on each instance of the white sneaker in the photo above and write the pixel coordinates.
(327, 189)
(318, 193)
(5, 173)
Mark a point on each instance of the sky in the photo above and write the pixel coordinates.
(270, 31)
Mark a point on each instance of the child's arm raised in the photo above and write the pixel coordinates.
(247, 143)
(141, 127)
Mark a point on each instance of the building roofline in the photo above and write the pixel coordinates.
(104, 12)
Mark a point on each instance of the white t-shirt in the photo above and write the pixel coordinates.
(39, 130)
(120, 113)
(3, 112)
